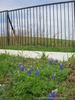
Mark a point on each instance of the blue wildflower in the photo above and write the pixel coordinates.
(20, 67)
(37, 72)
(56, 61)
(52, 96)
(53, 77)
(50, 61)
(29, 71)
(61, 66)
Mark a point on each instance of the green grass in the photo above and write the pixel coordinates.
(21, 86)
(40, 44)
(40, 48)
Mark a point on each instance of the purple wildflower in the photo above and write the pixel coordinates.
(29, 71)
(50, 61)
(61, 66)
(53, 77)
(37, 72)
(20, 67)
(52, 96)
(56, 61)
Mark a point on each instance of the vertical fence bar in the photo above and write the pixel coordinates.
(14, 28)
(17, 28)
(33, 27)
(27, 26)
(46, 28)
(20, 26)
(11, 29)
(10, 32)
(30, 28)
(40, 24)
(72, 27)
(57, 26)
(64, 25)
(53, 27)
(24, 26)
(43, 28)
(1, 30)
(47, 24)
(37, 23)
(74, 24)
(4, 27)
(50, 25)
(40, 29)
(12, 23)
(68, 26)
(8, 35)
(61, 22)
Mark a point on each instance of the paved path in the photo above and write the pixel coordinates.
(37, 54)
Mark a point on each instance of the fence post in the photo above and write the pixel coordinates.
(74, 24)
(8, 35)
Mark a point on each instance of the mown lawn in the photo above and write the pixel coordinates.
(32, 79)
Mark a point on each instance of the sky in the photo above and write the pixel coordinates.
(12, 4)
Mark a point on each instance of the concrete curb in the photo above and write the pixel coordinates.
(37, 54)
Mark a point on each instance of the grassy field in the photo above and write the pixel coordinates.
(38, 44)
(32, 79)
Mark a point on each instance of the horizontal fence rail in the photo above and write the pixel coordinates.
(50, 25)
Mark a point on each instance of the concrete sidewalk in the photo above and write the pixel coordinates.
(37, 54)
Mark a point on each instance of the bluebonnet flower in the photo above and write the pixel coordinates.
(53, 77)
(29, 71)
(50, 61)
(61, 66)
(20, 67)
(4, 87)
(56, 61)
(52, 96)
(37, 72)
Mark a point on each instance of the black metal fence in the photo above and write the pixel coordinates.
(50, 25)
